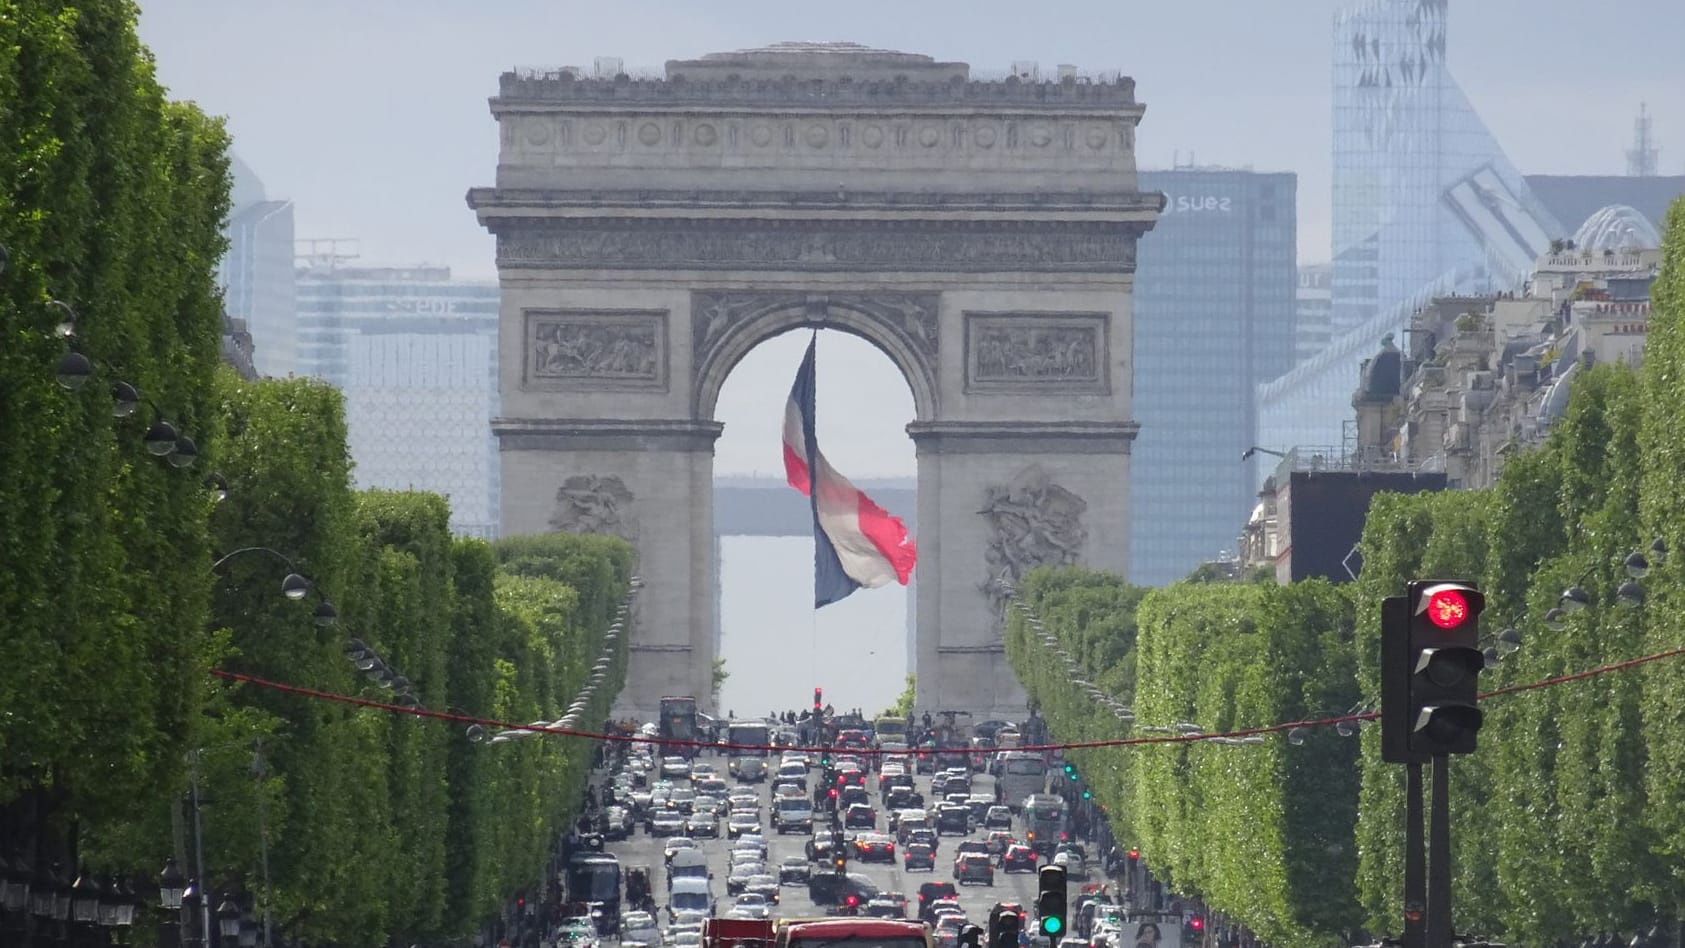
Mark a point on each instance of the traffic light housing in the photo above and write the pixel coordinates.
(1050, 901)
(1004, 928)
(818, 701)
(1431, 663)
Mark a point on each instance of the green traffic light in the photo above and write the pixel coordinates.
(1088, 795)
(1052, 924)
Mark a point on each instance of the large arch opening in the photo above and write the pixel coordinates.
(776, 647)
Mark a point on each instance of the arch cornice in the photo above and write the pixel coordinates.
(726, 324)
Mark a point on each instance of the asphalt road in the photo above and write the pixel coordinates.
(977, 900)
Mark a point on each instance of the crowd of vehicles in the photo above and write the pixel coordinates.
(854, 808)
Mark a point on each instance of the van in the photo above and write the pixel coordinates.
(908, 821)
(792, 813)
(689, 897)
(687, 864)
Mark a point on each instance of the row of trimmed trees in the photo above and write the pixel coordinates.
(1569, 819)
(380, 827)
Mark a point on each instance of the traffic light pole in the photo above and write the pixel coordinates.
(1439, 856)
(1415, 860)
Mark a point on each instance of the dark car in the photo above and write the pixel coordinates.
(903, 798)
(930, 892)
(794, 871)
(851, 795)
(874, 847)
(1018, 858)
(860, 815)
(888, 905)
(953, 819)
(919, 856)
(974, 867)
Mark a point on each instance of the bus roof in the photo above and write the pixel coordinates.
(869, 927)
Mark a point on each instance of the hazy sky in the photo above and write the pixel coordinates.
(371, 115)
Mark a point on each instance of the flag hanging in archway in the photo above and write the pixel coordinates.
(855, 542)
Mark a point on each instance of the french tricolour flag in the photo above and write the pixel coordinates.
(855, 542)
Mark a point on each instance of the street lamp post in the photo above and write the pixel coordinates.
(260, 770)
(172, 888)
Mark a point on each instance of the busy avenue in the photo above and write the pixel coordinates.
(781, 818)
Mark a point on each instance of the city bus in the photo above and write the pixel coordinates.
(594, 880)
(1020, 774)
(678, 723)
(1044, 822)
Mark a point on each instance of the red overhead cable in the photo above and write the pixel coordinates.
(353, 700)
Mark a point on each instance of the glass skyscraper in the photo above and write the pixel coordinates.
(1425, 205)
(1214, 313)
(256, 272)
(416, 355)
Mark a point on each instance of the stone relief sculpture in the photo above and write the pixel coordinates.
(1032, 522)
(1015, 353)
(589, 503)
(579, 349)
(774, 248)
(912, 316)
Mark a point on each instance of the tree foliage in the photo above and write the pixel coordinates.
(380, 828)
(1571, 816)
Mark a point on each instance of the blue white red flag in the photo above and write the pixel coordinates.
(855, 542)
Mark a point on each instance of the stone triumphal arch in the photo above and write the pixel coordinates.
(982, 234)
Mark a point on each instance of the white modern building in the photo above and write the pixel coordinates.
(415, 353)
(256, 273)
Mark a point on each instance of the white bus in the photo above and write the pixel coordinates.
(1021, 774)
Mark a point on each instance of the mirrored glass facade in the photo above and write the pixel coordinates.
(1425, 204)
(1214, 309)
(416, 355)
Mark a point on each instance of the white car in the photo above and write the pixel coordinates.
(639, 927)
(751, 905)
(675, 768)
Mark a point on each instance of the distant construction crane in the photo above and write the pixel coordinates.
(323, 253)
(1644, 157)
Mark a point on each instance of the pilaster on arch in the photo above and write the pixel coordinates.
(726, 324)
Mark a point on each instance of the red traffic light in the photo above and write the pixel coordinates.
(1134, 854)
(833, 793)
(852, 901)
(1447, 607)
(1196, 923)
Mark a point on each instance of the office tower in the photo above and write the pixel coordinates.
(1214, 316)
(1313, 320)
(415, 354)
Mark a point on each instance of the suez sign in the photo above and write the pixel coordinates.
(1188, 204)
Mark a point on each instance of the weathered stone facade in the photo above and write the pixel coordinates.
(981, 234)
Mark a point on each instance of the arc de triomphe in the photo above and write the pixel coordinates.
(650, 232)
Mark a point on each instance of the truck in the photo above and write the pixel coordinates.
(747, 765)
(1139, 930)
(857, 932)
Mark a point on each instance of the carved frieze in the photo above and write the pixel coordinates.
(912, 317)
(1023, 353)
(596, 349)
(1032, 522)
(598, 504)
(843, 246)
